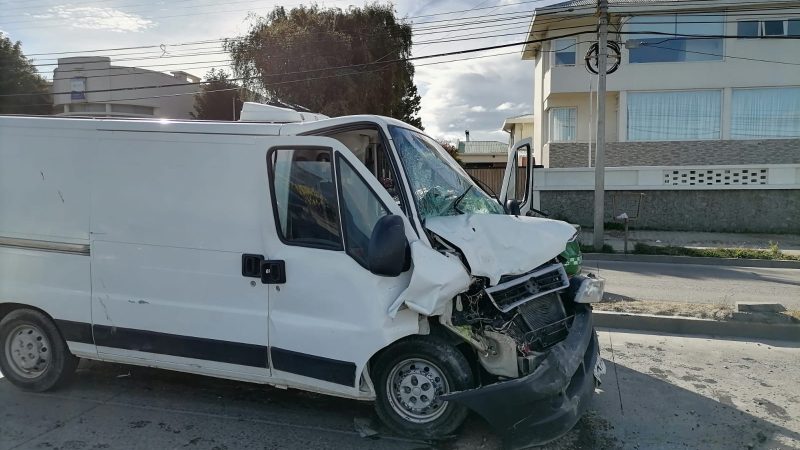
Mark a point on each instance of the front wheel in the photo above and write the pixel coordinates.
(411, 377)
(33, 355)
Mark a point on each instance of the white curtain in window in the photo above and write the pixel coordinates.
(765, 113)
(674, 115)
(562, 124)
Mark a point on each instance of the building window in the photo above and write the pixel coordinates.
(133, 109)
(674, 115)
(765, 113)
(563, 124)
(768, 28)
(87, 108)
(747, 29)
(564, 52)
(664, 48)
(773, 28)
(793, 27)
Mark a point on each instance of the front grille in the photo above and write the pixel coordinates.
(547, 322)
(538, 283)
(542, 311)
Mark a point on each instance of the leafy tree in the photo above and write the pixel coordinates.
(221, 98)
(409, 107)
(18, 75)
(331, 61)
(451, 149)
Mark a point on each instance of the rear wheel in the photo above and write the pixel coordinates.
(33, 355)
(412, 376)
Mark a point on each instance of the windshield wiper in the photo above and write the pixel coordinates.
(461, 197)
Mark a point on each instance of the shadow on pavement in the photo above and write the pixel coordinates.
(649, 412)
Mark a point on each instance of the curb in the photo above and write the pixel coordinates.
(696, 327)
(701, 260)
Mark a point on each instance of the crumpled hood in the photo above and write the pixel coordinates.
(497, 244)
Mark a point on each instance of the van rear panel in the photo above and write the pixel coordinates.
(138, 227)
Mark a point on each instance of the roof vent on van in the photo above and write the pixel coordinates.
(258, 112)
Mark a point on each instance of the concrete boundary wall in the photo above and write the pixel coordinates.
(734, 210)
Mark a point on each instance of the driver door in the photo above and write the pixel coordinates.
(517, 177)
(328, 312)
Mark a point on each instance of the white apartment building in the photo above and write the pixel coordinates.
(91, 86)
(674, 100)
(702, 114)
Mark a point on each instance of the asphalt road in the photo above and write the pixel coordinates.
(660, 392)
(698, 283)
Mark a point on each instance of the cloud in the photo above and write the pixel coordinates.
(505, 106)
(97, 18)
(465, 95)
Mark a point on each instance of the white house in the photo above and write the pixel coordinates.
(702, 114)
(91, 86)
(710, 99)
(483, 154)
(519, 127)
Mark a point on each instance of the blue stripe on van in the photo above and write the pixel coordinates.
(251, 355)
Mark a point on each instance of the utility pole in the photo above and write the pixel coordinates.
(600, 145)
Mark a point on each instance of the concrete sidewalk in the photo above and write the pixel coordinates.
(788, 243)
(688, 283)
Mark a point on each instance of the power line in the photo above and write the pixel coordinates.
(144, 71)
(459, 38)
(432, 41)
(222, 61)
(154, 18)
(40, 62)
(723, 56)
(411, 58)
(516, 19)
(683, 5)
(687, 36)
(422, 33)
(386, 65)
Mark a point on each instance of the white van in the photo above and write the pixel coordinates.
(348, 256)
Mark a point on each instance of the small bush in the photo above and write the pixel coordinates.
(738, 253)
(590, 249)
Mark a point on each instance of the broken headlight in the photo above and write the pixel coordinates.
(585, 289)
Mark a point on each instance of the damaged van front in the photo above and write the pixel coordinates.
(505, 295)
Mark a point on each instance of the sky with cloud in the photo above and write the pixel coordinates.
(475, 94)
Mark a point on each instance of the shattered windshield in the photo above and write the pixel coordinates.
(440, 185)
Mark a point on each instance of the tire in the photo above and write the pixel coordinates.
(25, 333)
(412, 412)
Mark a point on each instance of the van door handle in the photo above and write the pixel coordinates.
(273, 271)
(251, 265)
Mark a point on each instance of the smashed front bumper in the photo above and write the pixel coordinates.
(544, 405)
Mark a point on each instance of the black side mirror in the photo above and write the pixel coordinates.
(512, 206)
(388, 253)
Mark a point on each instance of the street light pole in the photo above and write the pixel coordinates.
(600, 146)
